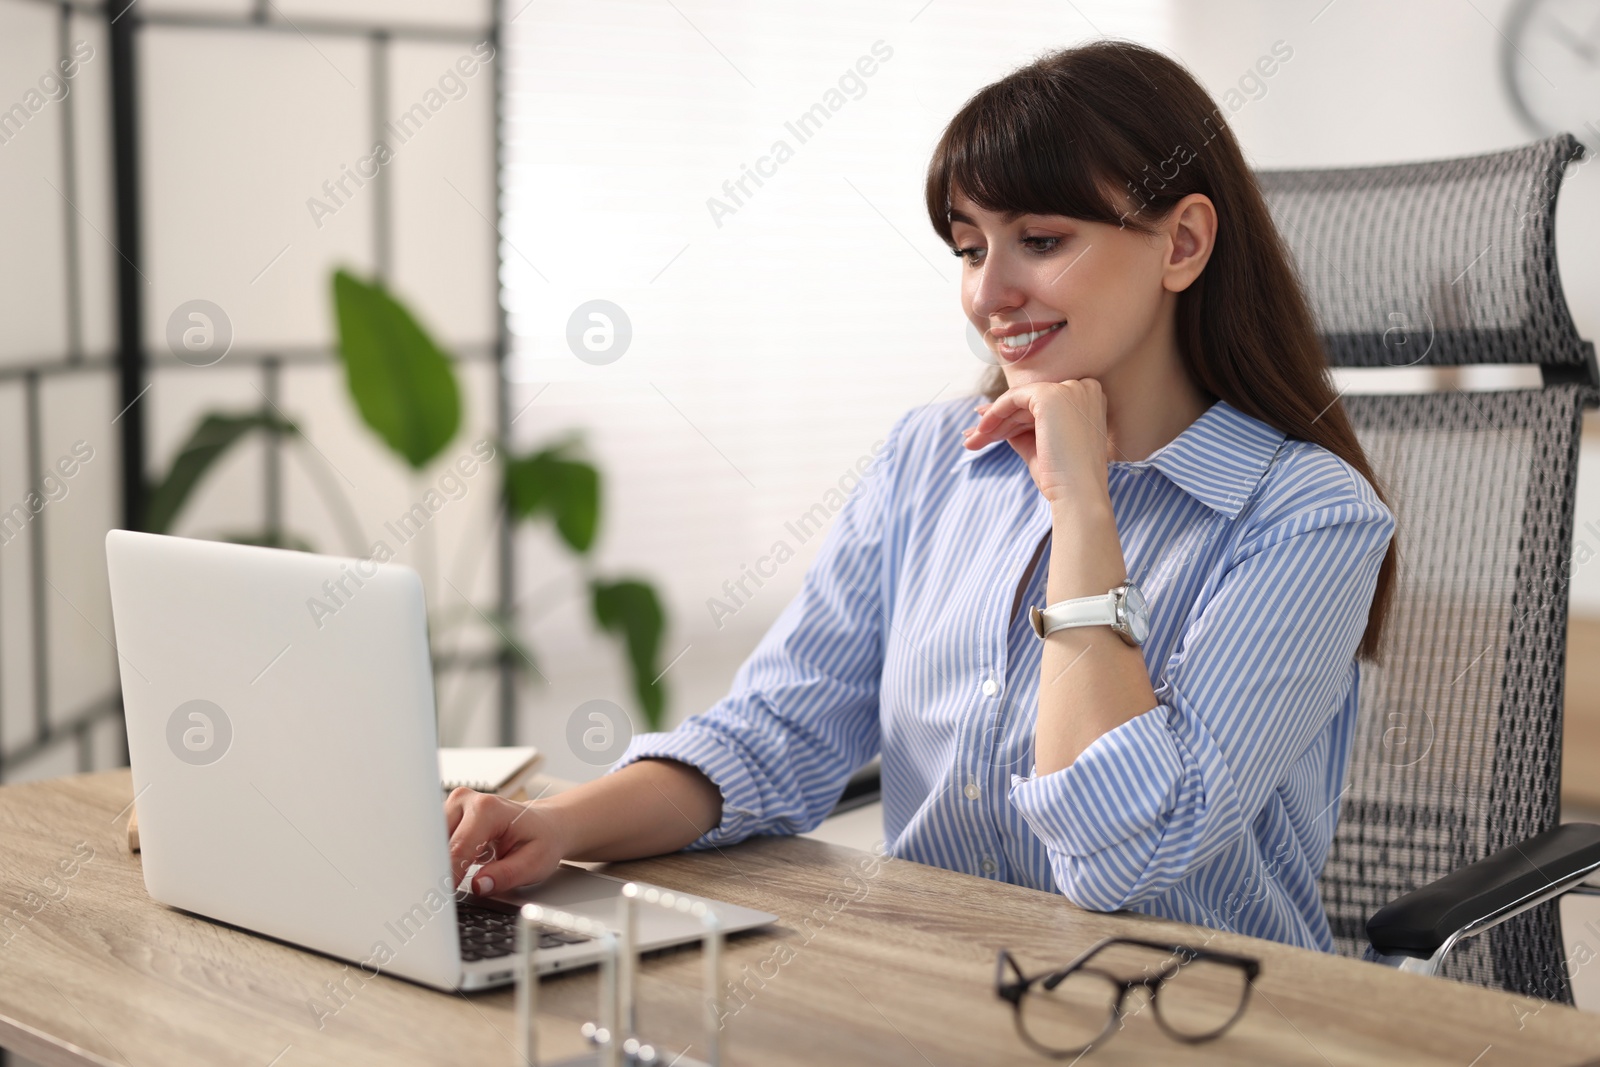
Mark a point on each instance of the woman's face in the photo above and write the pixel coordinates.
(1100, 291)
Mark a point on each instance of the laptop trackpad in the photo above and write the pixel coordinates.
(574, 890)
(596, 896)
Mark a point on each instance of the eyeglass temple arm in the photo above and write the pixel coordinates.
(1176, 950)
(1416, 932)
(1008, 973)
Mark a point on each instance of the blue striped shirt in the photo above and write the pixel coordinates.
(1258, 556)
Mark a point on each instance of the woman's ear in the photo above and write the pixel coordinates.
(1191, 231)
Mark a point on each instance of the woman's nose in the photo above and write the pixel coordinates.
(996, 290)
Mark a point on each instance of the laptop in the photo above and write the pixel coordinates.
(281, 730)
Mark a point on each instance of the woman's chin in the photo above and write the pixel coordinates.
(1028, 372)
(1065, 367)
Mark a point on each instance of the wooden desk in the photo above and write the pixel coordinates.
(1580, 722)
(881, 970)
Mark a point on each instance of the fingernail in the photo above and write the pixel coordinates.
(485, 886)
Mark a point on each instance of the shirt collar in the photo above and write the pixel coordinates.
(1219, 459)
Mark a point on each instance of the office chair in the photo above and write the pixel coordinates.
(1448, 858)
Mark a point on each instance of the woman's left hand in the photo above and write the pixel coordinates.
(1059, 430)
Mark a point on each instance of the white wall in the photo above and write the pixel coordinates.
(770, 352)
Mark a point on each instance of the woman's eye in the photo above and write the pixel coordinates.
(1039, 245)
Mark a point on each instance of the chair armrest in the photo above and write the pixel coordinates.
(1426, 922)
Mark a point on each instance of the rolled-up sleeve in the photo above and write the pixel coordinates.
(1264, 665)
(802, 713)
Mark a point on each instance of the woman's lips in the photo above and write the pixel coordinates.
(1017, 355)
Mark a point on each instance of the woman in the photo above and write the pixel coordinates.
(1161, 387)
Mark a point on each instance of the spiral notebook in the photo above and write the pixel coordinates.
(488, 770)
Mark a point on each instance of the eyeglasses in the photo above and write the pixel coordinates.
(1197, 994)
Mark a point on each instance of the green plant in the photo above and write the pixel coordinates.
(404, 387)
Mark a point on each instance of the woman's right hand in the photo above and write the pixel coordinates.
(647, 808)
(517, 843)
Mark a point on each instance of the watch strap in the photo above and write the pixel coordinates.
(1083, 611)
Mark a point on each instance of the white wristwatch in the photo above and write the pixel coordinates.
(1123, 609)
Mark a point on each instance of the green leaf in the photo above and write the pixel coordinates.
(215, 434)
(566, 489)
(402, 382)
(631, 609)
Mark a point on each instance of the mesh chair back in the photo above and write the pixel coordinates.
(1458, 747)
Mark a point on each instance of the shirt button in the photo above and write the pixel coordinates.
(988, 866)
(990, 687)
(972, 791)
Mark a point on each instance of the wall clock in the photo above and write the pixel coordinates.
(1550, 61)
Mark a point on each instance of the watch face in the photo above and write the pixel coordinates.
(1135, 614)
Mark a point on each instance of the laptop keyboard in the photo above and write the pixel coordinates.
(487, 934)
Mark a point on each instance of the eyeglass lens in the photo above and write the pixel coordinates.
(1073, 1014)
(1198, 999)
(1202, 998)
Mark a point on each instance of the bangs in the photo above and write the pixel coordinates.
(1025, 148)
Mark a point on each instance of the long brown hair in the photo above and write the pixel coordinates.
(1055, 137)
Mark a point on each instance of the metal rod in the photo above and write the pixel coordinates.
(272, 455)
(506, 590)
(40, 613)
(54, 366)
(711, 956)
(527, 990)
(256, 19)
(302, 26)
(610, 1043)
(69, 214)
(130, 295)
(628, 962)
(382, 209)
